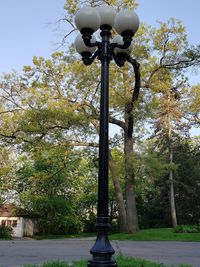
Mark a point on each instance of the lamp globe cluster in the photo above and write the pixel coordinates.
(88, 20)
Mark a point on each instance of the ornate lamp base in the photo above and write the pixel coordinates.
(98, 262)
(102, 250)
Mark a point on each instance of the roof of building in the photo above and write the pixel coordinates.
(7, 210)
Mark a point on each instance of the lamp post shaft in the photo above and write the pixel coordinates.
(103, 135)
(102, 250)
(126, 23)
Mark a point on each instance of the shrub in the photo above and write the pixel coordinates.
(187, 229)
(5, 232)
(55, 215)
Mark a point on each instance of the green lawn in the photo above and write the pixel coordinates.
(81, 235)
(121, 262)
(158, 234)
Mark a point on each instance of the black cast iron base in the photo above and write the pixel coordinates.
(102, 251)
(98, 262)
(102, 259)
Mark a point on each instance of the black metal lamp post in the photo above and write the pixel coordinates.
(126, 23)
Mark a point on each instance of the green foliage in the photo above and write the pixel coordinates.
(5, 232)
(193, 104)
(150, 187)
(1, 201)
(187, 178)
(172, 30)
(153, 184)
(79, 235)
(47, 187)
(195, 99)
(187, 229)
(55, 215)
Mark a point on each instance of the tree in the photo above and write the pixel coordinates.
(116, 167)
(187, 177)
(152, 193)
(169, 129)
(47, 188)
(193, 105)
(7, 170)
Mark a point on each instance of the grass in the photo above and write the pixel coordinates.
(158, 234)
(48, 264)
(121, 262)
(81, 235)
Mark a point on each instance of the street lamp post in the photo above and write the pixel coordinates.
(88, 20)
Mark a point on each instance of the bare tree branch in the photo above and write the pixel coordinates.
(117, 122)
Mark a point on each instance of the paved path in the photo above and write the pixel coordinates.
(17, 252)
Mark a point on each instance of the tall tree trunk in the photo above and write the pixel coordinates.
(172, 198)
(171, 180)
(131, 210)
(119, 195)
(131, 97)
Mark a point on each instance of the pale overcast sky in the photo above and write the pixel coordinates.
(25, 31)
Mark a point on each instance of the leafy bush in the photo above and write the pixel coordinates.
(89, 223)
(5, 232)
(55, 215)
(187, 229)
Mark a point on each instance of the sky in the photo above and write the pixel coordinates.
(186, 10)
(27, 30)
(28, 27)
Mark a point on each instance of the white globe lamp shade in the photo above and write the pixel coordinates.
(87, 18)
(81, 47)
(119, 40)
(126, 21)
(107, 14)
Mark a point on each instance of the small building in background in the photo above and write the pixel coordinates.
(21, 225)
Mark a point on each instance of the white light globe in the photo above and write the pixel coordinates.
(81, 47)
(107, 14)
(87, 18)
(126, 20)
(119, 40)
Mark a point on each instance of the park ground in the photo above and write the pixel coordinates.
(28, 251)
(19, 252)
(157, 234)
(157, 245)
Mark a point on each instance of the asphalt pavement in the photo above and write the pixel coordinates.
(14, 253)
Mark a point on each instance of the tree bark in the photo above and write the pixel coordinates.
(172, 197)
(119, 195)
(131, 210)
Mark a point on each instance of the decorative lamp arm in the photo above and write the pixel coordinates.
(87, 58)
(87, 40)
